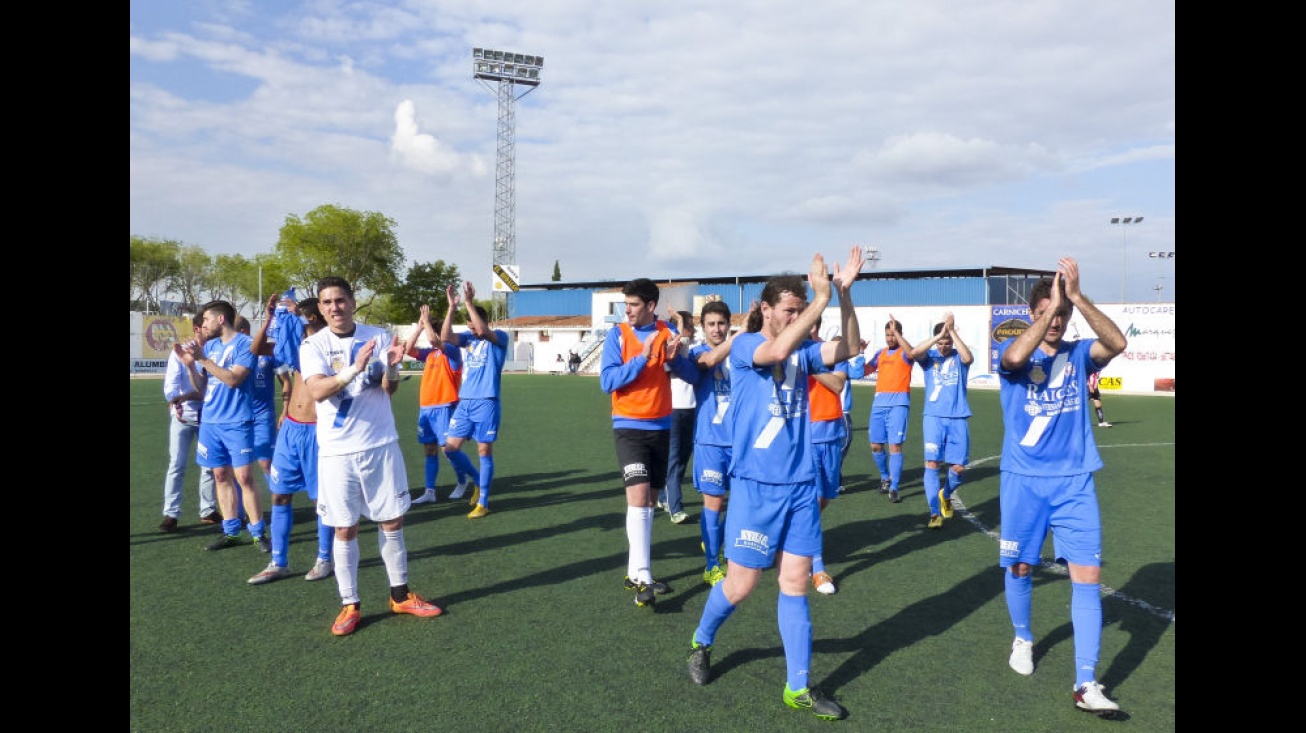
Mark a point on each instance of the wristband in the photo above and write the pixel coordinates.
(347, 376)
(392, 373)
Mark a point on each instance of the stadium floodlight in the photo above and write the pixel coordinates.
(518, 68)
(1124, 268)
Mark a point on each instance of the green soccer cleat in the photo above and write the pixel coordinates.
(714, 576)
(810, 698)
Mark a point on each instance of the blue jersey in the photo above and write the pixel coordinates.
(771, 442)
(855, 368)
(222, 404)
(263, 386)
(1047, 432)
(946, 379)
(712, 423)
(482, 364)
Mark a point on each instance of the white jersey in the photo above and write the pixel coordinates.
(359, 416)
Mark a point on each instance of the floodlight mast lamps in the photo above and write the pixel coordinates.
(1124, 223)
(509, 70)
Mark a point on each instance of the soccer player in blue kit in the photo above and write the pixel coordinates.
(945, 425)
(479, 410)
(712, 431)
(774, 517)
(1048, 459)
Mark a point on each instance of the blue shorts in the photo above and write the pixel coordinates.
(265, 435)
(433, 423)
(947, 439)
(294, 464)
(1032, 505)
(828, 457)
(711, 469)
(766, 518)
(225, 444)
(476, 418)
(889, 424)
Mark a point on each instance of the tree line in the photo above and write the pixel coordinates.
(330, 240)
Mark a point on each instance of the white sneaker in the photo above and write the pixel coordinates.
(270, 573)
(1091, 696)
(1104, 424)
(1022, 657)
(460, 490)
(679, 517)
(427, 497)
(321, 569)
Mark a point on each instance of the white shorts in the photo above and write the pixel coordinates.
(371, 483)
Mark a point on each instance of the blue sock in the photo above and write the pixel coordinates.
(954, 482)
(882, 463)
(795, 621)
(432, 470)
(256, 529)
(1086, 620)
(283, 518)
(462, 465)
(326, 537)
(818, 564)
(895, 469)
(932, 489)
(709, 528)
(1019, 603)
(487, 475)
(231, 527)
(715, 612)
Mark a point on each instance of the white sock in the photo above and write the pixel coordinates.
(346, 555)
(394, 554)
(639, 535)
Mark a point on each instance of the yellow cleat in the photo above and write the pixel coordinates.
(945, 505)
(478, 512)
(935, 521)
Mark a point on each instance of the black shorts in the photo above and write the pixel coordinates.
(642, 456)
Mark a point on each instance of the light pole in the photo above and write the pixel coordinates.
(1124, 267)
(509, 70)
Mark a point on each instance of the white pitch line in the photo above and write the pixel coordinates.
(960, 506)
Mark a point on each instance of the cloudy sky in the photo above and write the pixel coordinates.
(674, 138)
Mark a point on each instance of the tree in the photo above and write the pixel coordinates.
(361, 247)
(235, 280)
(191, 278)
(425, 283)
(557, 272)
(153, 263)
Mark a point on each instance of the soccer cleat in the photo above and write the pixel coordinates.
(321, 569)
(263, 543)
(460, 490)
(810, 698)
(823, 583)
(478, 512)
(224, 541)
(679, 518)
(1022, 656)
(714, 576)
(476, 495)
(416, 605)
(1105, 424)
(841, 488)
(1091, 697)
(936, 522)
(893, 497)
(427, 497)
(644, 596)
(658, 586)
(348, 620)
(663, 506)
(945, 505)
(272, 572)
(212, 517)
(884, 485)
(168, 525)
(700, 662)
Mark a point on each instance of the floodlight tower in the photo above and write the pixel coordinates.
(1124, 223)
(509, 70)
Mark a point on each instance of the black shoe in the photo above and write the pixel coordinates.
(168, 525)
(224, 541)
(644, 596)
(884, 485)
(700, 661)
(212, 517)
(658, 586)
(812, 699)
(263, 543)
(893, 497)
